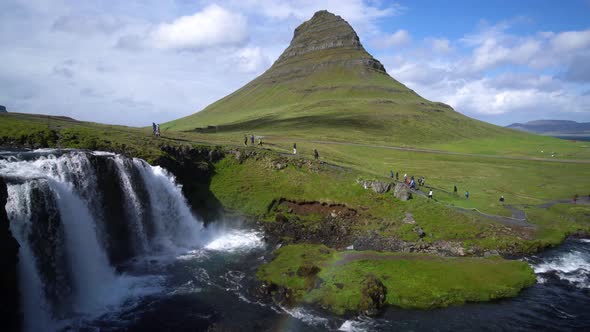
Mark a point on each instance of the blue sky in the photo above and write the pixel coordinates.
(137, 61)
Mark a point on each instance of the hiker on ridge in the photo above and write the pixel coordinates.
(455, 189)
(294, 148)
(252, 139)
(245, 140)
(316, 155)
(466, 194)
(430, 193)
(154, 128)
(158, 130)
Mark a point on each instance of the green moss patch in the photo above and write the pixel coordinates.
(336, 280)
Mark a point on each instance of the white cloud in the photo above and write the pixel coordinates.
(399, 38)
(571, 41)
(252, 60)
(440, 45)
(213, 26)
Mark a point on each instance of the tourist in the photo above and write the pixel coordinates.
(158, 130)
(252, 139)
(423, 181)
(455, 189)
(397, 178)
(294, 148)
(466, 194)
(575, 198)
(391, 175)
(430, 194)
(502, 198)
(405, 176)
(154, 128)
(316, 155)
(412, 184)
(245, 140)
(259, 141)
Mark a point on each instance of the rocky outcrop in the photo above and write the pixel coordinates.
(3, 109)
(324, 34)
(9, 300)
(193, 168)
(379, 187)
(402, 192)
(373, 296)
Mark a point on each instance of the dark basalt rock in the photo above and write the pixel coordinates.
(373, 296)
(9, 299)
(3, 109)
(192, 168)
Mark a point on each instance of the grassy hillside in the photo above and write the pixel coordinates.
(325, 86)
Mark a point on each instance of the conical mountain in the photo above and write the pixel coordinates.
(326, 86)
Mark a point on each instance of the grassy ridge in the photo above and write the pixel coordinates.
(449, 281)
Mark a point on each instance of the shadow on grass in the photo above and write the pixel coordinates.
(324, 121)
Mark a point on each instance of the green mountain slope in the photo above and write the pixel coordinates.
(326, 86)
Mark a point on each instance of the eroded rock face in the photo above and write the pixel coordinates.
(3, 109)
(324, 32)
(9, 298)
(379, 187)
(402, 192)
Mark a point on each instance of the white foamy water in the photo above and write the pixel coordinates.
(236, 240)
(573, 267)
(307, 317)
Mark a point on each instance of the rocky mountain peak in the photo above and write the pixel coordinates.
(326, 31)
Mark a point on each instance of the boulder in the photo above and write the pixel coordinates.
(409, 218)
(418, 230)
(3, 109)
(402, 192)
(381, 187)
(373, 296)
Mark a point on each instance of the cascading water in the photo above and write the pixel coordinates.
(70, 229)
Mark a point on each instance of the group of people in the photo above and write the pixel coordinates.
(156, 129)
(411, 183)
(252, 140)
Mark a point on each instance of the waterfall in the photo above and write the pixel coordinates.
(77, 216)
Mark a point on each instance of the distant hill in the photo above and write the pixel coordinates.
(326, 86)
(553, 127)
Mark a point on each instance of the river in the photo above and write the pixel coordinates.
(160, 269)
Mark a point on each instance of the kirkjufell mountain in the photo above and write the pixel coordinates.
(325, 85)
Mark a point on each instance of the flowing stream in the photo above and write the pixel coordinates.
(109, 243)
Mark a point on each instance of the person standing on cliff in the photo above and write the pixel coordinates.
(294, 148)
(154, 128)
(158, 130)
